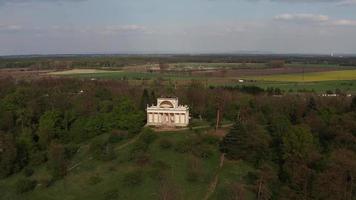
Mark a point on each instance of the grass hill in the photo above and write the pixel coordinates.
(164, 165)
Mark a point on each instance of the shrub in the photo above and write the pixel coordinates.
(183, 146)
(133, 178)
(194, 170)
(28, 172)
(111, 194)
(193, 175)
(165, 143)
(46, 182)
(102, 150)
(142, 159)
(117, 136)
(210, 139)
(159, 170)
(24, 185)
(70, 150)
(148, 137)
(93, 180)
(203, 151)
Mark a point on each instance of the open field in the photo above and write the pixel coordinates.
(310, 77)
(81, 71)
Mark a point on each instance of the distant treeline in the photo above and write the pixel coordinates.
(114, 61)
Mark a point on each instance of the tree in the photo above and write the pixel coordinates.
(353, 104)
(50, 127)
(145, 100)
(8, 155)
(246, 140)
(57, 162)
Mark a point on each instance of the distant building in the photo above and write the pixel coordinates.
(168, 112)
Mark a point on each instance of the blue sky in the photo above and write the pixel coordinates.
(177, 26)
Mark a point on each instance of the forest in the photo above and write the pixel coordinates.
(300, 146)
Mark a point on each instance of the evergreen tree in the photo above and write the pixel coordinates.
(145, 100)
(248, 141)
(231, 145)
(353, 104)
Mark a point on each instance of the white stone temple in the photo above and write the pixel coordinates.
(168, 112)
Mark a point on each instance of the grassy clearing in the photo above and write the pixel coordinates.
(310, 77)
(82, 71)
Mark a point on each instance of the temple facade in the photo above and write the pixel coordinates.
(168, 112)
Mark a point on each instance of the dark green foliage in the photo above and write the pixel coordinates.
(203, 151)
(194, 170)
(183, 146)
(50, 127)
(117, 136)
(111, 194)
(246, 141)
(145, 100)
(57, 161)
(210, 139)
(165, 143)
(133, 178)
(8, 155)
(353, 104)
(28, 172)
(24, 185)
(95, 179)
(101, 149)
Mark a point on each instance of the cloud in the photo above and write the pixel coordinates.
(315, 19)
(302, 17)
(10, 28)
(115, 29)
(347, 3)
(343, 22)
(4, 2)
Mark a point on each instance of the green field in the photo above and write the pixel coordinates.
(311, 77)
(78, 184)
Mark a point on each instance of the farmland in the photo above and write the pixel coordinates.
(311, 77)
(318, 78)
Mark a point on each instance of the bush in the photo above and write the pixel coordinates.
(165, 143)
(133, 178)
(183, 146)
(71, 150)
(210, 139)
(148, 137)
(159, 170)
(203, 151)
(93, 180)
(46, 182)
(117, 136)
(111, 194)
(194, 170)
(24, 185)
(28, 172)
(193, 175)
(102, 150)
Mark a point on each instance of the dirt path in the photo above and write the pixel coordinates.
(130, 141)
(187, 128)
(213, 184)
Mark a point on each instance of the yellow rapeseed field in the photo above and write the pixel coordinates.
(310, 77)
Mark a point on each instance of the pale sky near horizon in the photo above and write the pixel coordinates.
(177, 26)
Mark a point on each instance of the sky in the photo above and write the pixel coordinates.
(177, 26)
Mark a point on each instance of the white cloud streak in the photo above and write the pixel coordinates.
(315, 19)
